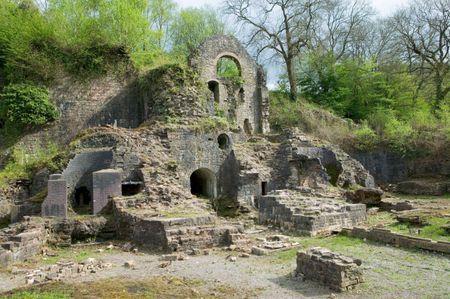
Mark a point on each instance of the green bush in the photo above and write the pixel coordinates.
(400, 136)
(366, 138)
(25, 106)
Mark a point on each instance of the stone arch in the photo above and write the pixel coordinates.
(203, 183)
(231, 57)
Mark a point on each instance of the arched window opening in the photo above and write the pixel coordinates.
(228, 67)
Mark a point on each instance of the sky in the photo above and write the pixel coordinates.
(384, 7)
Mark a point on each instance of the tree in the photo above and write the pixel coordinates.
(191, 27)
(161, 14)
(284, 27)
(424, 33)
(114, 21)
(342, 24)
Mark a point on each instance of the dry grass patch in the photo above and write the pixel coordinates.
(123, 288)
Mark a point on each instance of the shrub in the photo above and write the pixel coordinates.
(366, 138)
(23, 105)
(400, 136)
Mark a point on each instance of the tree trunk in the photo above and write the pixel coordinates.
(292, 79)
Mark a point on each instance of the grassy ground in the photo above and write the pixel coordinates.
(422, 197)
(432, 231)
(387, 270)
(122, 288)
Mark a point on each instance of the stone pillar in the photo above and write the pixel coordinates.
(55, 204)
(106, 183)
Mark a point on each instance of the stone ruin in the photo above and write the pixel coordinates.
(338, 272)
(154, 180)
(309, 214)
(245, 102)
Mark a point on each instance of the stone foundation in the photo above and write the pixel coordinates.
(309, 215)
(338, 272)
(173, 234)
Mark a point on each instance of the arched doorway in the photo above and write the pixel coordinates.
(203, 183)
(213, 86)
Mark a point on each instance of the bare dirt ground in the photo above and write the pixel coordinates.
(389, 272)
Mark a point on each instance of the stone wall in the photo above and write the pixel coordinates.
(338, 272)
(55, 204)
(22, 246)
(171, 234)
(389, 167)
(83, 105)
(388, 237)
(193, 151)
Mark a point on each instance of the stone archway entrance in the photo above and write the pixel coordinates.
(203, 183)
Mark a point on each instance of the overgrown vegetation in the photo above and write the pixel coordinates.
(22, 165)
(25, 106)
(42, 40)
(433, 230)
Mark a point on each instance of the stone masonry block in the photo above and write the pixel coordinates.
(106, 183)
(56, 202)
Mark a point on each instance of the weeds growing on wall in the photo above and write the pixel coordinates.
(23, 165)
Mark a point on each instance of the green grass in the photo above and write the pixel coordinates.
(422, 197)
(432, 231)
(381, 218)
(335, 243)
(73, 254)
(40, 294)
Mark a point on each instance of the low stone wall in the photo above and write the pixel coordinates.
(388, 237)
(22, 246)
(338, 272)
